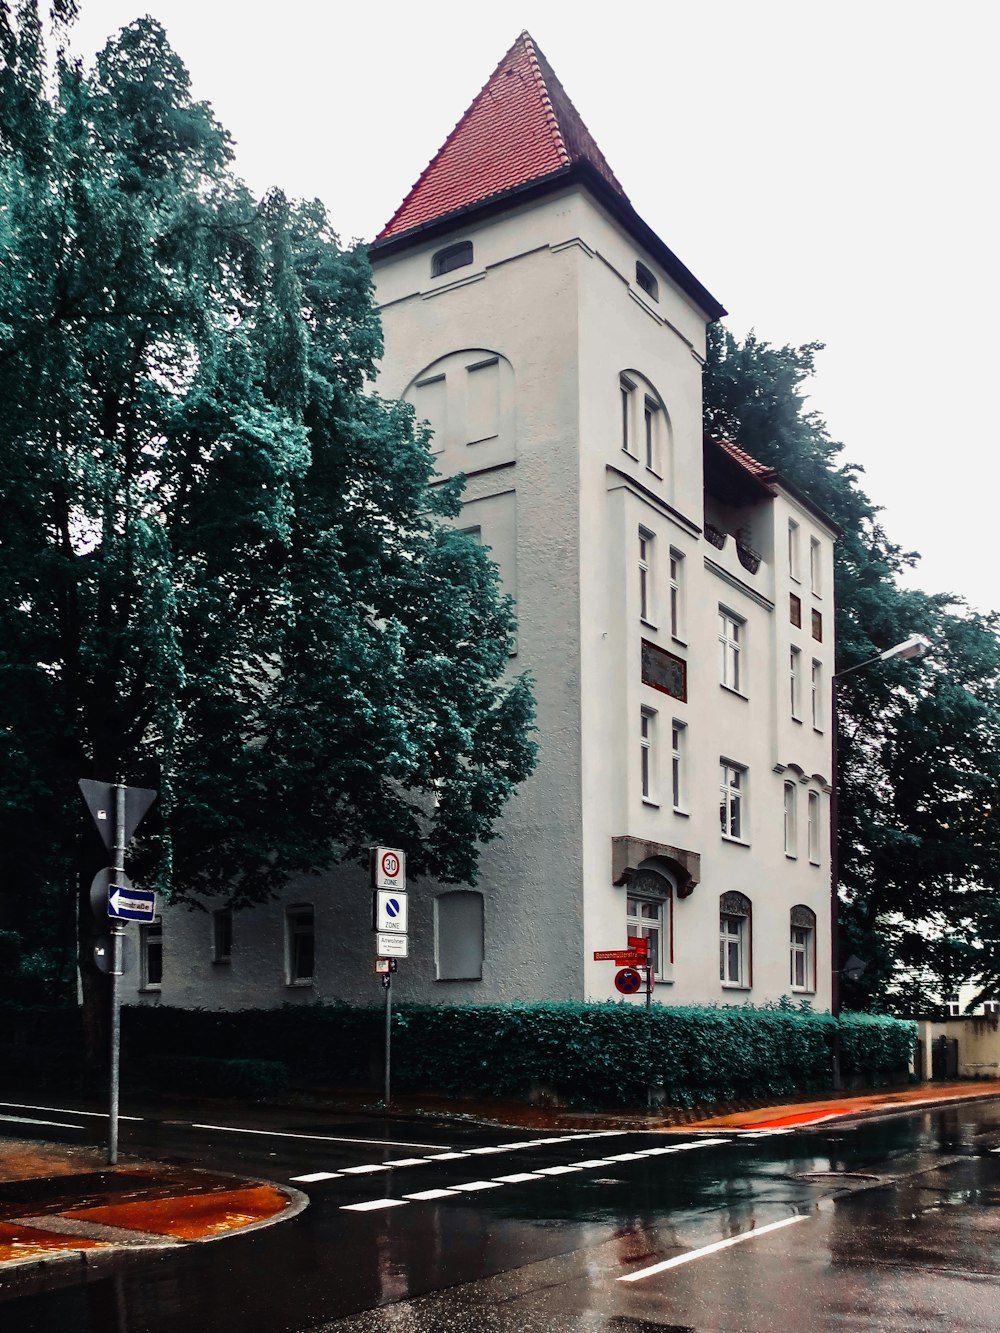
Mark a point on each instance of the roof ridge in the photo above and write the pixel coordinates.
(533, 53)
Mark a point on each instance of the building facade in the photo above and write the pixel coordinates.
(674, 602)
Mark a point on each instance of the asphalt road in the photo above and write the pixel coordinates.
(423, 1226)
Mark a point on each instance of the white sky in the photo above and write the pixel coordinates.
(827, 170)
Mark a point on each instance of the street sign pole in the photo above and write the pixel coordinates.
(116, 971)
(387, 983)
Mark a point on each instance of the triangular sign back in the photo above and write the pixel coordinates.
(100, 799)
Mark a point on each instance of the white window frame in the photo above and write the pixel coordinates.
(816, 694)
(295, 930)
(735, 930)
(793, 550)
(790, 799)
(731, 641)
(678, 765)
(813, 818)
(628, 396)
(732, 803)
(676, 593)
(651, 421)
(802, 958)
(151, 933)
(647, 577)
(649, 918)
(647, 754)
(795, 681)
(815, 567)
(953, 1005)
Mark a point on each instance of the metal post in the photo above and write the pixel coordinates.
(387, 983)
(834, 893)
(116, 971)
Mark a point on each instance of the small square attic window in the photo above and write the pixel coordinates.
(452, 256)
(646, 281)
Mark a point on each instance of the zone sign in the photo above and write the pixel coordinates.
(388, 868)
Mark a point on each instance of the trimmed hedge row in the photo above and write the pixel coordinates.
(590, 1054)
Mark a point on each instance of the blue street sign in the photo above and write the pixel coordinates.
(131, 904)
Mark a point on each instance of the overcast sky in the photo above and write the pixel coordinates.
(828, 171)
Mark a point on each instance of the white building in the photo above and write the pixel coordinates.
(674, 601)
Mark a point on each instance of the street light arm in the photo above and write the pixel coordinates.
(914, 647)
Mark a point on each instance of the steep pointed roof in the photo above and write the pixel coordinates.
(520, 128)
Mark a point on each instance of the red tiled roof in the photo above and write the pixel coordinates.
(745, 460)
(521, 127)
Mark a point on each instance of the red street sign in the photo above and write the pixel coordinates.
(629, 955)
(638, 944)
(631, 959)
(606, 955)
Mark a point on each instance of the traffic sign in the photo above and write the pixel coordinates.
(100, 799)
(389, 911)
(388, 867)
(386, 965)
(606, 955)
(392, 946)
(103, 953)
(100, 885)
(639, 944)
(131, 904)
(628, 981)
(631, 958)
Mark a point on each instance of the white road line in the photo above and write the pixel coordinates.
(446, 1156)
(711, 1249)
(477, 1185)
(66, 1110)
(29, 1120)
(593, 1161)
(371, 1204)
(556, 1170)
(431, 1194)
(317, 1138)
(317, 1175)
(474, 1151)
(518, 1177)
(364, 1170)
(404, 1161)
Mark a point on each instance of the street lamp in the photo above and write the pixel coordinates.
(915, 646)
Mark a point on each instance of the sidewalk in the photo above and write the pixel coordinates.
(66, 1216)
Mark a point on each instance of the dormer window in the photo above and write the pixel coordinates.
(452, 256)
(645, 280)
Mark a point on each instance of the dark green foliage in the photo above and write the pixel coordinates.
(918, 742)
(224, 570)
(207, 1076)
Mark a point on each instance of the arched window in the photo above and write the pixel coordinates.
(735, 943)
(649, 916)
(646, 432)
(452, 256)
(458, 935)
(645, 280)
(802, 946)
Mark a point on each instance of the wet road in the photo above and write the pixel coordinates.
(424, 1226)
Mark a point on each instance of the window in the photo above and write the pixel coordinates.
(645, 575)
(795, 609)
(731, 789)
(300, 946)
(734, 940)
(222, 935)
(793, 549)
(791, 797)
(817, 694)
(953, 1006)
(459, 935)
(991, 1007)
(482, 401)
(151, 955)
(813, 827)
(648, 916)
(627, 390)
(645, 280)
(651, 431)
(678, 776)
(795, 680)
(676, 593)
(815, 566)
(730, 646)
(817, 626)
(451, 257)
(647, 757)
(430, 404)
(802, 949)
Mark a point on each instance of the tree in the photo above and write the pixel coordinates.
(225, 571)
(918, 743)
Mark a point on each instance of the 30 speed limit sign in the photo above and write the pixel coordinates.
(388, 866)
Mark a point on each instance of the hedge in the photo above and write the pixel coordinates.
(599, 1054)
